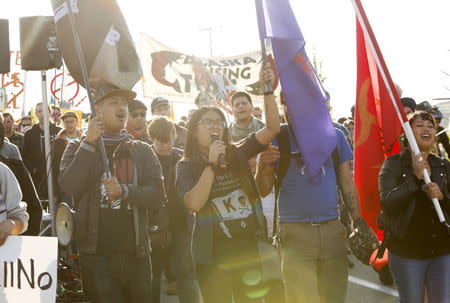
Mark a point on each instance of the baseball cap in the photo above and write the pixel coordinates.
(157, 102)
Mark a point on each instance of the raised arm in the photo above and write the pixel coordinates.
(272, 128)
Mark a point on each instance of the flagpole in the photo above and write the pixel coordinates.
(363, 21)
(259, 4)
(84, 72)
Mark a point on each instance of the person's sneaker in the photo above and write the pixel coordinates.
(171, 289)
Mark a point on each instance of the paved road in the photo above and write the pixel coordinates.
(356, 293)
(363, 287)
(365, 275)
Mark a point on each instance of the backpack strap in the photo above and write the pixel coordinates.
(284, 147)
(335, 156)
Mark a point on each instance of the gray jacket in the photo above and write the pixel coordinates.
(80, 176)
(11, 197)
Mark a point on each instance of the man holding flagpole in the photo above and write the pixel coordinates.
(312, 237)
(314, 159)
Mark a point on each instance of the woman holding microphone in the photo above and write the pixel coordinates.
(215, 182)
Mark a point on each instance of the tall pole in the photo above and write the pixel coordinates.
(262, 37)
(210, 30)
(210, 42)
(84, 72)
(48, 151)
(362, 19)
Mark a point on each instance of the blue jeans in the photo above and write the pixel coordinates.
(412, 276)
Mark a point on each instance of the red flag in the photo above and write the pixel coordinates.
(377, 125)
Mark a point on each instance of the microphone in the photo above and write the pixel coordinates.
(222, 163)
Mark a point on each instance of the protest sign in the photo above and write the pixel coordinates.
(181, 77)
(28, 267)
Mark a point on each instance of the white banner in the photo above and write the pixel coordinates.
(180, 77)
(28, 269)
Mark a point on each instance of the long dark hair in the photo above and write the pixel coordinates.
(192, 150)
(191, 147)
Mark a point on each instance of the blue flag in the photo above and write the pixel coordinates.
(304, 95)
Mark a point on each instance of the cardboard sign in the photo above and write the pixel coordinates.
(28, 267)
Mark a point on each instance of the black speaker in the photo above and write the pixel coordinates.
(4, 47)
(38, 47)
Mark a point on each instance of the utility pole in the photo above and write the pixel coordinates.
(210, 30)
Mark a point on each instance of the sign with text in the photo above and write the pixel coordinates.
(28, 267)
(181, 77)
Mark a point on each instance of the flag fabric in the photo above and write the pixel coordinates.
(377, 126)
(303, 91)
(109, 52)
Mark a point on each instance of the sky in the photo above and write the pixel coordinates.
(413, 36)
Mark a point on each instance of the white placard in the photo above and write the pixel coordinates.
(28, 267)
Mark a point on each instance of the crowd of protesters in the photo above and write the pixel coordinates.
(203, 201)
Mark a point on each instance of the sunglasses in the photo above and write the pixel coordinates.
(141, 114)
(210, 124)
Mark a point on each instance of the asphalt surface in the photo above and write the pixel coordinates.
(363, 287)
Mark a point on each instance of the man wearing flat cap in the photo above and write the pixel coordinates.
(160, 107)
(111, 213)
(69, 133)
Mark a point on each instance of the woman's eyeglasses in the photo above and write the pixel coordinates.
(142, 115)
(210, 124)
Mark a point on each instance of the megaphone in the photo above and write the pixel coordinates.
(64, 224)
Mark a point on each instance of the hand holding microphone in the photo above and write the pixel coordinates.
(217, 151)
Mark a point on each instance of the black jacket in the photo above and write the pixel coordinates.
(30, 196)
(34, 156)
(80, 176)
(412, 226)
(176, 211)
